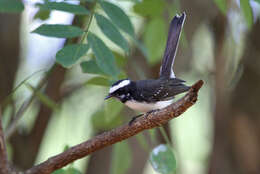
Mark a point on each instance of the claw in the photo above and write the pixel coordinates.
(146, 115)
(134, 118)
(151, 111)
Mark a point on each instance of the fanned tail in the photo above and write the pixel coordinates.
(171, 46)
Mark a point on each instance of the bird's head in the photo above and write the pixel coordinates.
(120, 90)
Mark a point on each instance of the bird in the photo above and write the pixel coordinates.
(154, 94)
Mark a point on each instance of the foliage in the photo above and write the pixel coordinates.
(14, 6)
(104, 57)
(118, 16)
(162, 159)
(247, 11)
(110, 30)
(58, 30)
(69, 55)
(70, 170)
(62, 6)
(222, 5)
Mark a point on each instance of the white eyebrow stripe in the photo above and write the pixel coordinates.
(120, 85)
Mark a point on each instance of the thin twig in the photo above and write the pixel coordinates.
(13, 125)
(150, 121)
(4, 165)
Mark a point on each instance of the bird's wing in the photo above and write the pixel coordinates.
(154, 91)
(171, 46)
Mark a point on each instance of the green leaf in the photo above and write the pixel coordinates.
(163, 160)
(118, 17)
(258, 1)
(70, 54)
(222, 5)
(91, 67)
(58, 30)
(155, 39)
(111, 32)
(42, 15)
(70, 170)
(104, 57)
(247, 11)
(99, 81)
(156, 8)
(43, 98)
(62, 6)
(121, 159)
(60, 171)
(11, 6)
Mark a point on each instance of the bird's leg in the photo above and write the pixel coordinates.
(146, 115)
(151, 111)
(134, 118)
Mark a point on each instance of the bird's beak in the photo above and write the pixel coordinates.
(108, 96)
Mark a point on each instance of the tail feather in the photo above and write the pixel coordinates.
(177, 86)
(171, 46)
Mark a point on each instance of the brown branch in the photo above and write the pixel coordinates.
(150, 121)
(4, 165)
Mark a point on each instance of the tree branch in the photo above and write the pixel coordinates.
(149, 121)
(4, 165)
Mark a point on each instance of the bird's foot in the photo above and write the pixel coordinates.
(146, 115)
(151, 111)
(134, 118)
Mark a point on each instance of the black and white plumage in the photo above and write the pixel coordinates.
(148, 95)
(172, 46)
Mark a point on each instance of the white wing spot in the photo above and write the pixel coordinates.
(120, 85)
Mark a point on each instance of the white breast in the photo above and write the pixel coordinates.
(145, 107)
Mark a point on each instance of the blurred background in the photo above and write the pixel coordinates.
(47, 108)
